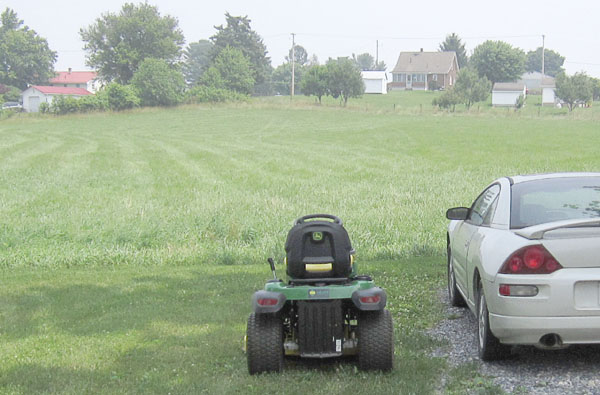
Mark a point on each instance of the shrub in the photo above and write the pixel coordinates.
(158, 84)
(91, 103)
(120, 97)
(44, 108)
(447, 99)
(62, 105)
(208, 94)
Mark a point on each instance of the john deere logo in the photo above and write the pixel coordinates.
(318, 294)
(317, 236)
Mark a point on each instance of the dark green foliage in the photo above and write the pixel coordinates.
(300, 55)
(471, 88)
(44, 108)
(366, 61)
(25, 57)
(9, 93)
(210, 94)
(498, 61)
(238, 34)
(196, 61)
(344, 79)
(520, 103)
(158, 84)
(314, 81)
(118, 43)
(553, 62)
(576, 89)
(281, 78)
(93, 103)
(62, 105)
(448, 99)
(120, 97)
(230, 70)
(595, 88)
(454, 43)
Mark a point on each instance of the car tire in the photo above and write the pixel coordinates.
(454, 295)
(488, 345)
(375, 340)
(264, 336)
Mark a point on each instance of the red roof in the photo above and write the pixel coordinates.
(61, 90)
(73, 77)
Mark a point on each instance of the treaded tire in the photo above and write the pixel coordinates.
(375, 340)
(488, 345)
(454, 295)
(264, 335)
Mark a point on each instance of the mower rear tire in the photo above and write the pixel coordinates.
(375, 340)
(264, 335)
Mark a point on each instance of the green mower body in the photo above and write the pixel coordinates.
(324, 310)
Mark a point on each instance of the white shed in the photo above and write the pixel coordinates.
(35, 95)
(549, 92)
(507, 93)
(375, 81)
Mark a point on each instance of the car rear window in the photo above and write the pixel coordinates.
(554, 199)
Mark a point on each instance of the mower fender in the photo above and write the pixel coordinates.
(270, 306)
(372, 299)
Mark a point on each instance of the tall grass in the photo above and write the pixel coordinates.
(222, 184)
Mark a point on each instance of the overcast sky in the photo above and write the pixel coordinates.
(332, 28)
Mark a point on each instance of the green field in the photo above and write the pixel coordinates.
(130, 243)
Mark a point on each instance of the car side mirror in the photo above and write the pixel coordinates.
(457, 213)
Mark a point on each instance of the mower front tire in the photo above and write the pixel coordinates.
(264, 335)
(375, 340)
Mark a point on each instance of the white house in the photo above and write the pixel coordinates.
(33, 96)
(76, 79)
(507, 93)
(375, 81)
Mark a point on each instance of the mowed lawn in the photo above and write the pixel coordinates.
(130, 244)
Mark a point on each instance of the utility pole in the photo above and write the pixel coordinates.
(543, 50)
(293, 63)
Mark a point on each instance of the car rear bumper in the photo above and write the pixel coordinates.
(529, 330)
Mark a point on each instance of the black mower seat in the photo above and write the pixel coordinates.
(318, 249)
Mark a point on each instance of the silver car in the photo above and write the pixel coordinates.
(525, 258)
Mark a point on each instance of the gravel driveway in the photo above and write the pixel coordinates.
(574, 370)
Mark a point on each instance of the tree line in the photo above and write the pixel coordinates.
(498, 61)
(140, 57)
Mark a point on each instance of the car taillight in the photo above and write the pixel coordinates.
(370, 299)
(267, 302)
(530, 260)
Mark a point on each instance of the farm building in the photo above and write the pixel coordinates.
(506, 94)
(375, 81)
(76, 79)
(424, 70)
(548, 87)
(33, 96)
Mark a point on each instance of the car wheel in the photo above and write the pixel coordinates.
(264, 335)
(488, 345)
(454, 295)
(375, 340)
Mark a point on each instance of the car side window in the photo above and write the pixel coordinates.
(483, 208)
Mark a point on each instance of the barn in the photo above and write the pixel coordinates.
(506, 94)
(375, 81)
(35, 95)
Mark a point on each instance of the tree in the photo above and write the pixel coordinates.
(471, 88)
(230, 70)
(120, 97)
(575, 89)
(117, 44)
(196, 60)
(344, 79)
(498, 61)
(158, 84)
(238, 34)
(300, 55)
(25, 57)
(595, 88)
(282, 78)
(447, 99)
(366, 61)
(553, 62)
(454, 43)
(314, 81)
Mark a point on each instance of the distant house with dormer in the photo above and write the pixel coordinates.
(424, 70)
(76, 79)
